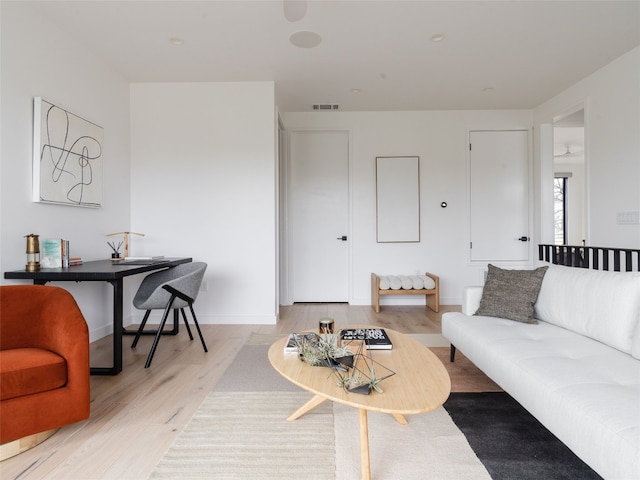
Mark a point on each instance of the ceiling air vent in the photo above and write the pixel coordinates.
(325, 106)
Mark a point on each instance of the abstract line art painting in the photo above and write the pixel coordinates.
(67, 157)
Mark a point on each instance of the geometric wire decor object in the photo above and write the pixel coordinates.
(67, 157)
(364, 374)
(351, 362)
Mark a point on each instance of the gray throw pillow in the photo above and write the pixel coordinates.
(511, 294)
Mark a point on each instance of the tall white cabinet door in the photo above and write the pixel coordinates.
(499, 196)
(319, 216)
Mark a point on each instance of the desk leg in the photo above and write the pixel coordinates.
(365, 464)
(117, 332)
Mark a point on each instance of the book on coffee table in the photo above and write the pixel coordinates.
(374, 338)
(295, 340)
(292, 343)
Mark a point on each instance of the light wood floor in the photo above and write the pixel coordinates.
(135, 416)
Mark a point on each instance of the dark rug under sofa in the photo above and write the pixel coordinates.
(510, 442)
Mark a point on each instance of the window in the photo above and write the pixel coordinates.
(560, 208)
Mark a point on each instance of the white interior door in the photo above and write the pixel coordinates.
(318, 216)
(499, 195)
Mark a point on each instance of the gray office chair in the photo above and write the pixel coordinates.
(172, 289)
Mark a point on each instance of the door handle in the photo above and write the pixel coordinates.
(523, 239)
(343, 238)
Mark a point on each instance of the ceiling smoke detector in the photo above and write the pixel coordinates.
(325, 106)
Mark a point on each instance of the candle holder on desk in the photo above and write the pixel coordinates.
(33, 253)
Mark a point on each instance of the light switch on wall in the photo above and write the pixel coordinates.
(628, 218)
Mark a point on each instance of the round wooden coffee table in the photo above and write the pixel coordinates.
(420, 384)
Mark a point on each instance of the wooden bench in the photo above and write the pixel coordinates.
(432, 296)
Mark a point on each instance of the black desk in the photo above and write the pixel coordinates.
(99, 271)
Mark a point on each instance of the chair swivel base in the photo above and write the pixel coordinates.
(11, 449)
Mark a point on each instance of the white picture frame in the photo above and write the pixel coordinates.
(67, 157)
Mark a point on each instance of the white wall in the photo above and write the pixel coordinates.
(225, 214)
(611, 97)
(203, 176)
(440, 139)
(38, 59)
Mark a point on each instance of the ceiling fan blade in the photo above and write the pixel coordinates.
(577, 152)
(569, 155)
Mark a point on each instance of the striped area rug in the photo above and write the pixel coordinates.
(244, 435)
(240, 432)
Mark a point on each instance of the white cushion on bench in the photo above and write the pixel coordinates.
(428, 283)
(406, 282)
(394, 282)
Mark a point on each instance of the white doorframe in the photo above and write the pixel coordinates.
(283, 290)
(560, 117)
(544, 219)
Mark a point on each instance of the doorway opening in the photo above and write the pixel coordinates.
(569, 171)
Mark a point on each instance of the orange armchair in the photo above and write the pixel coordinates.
(44, 361)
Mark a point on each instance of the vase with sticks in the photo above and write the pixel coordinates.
(116, 250)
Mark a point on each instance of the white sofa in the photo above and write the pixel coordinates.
(577, 370)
